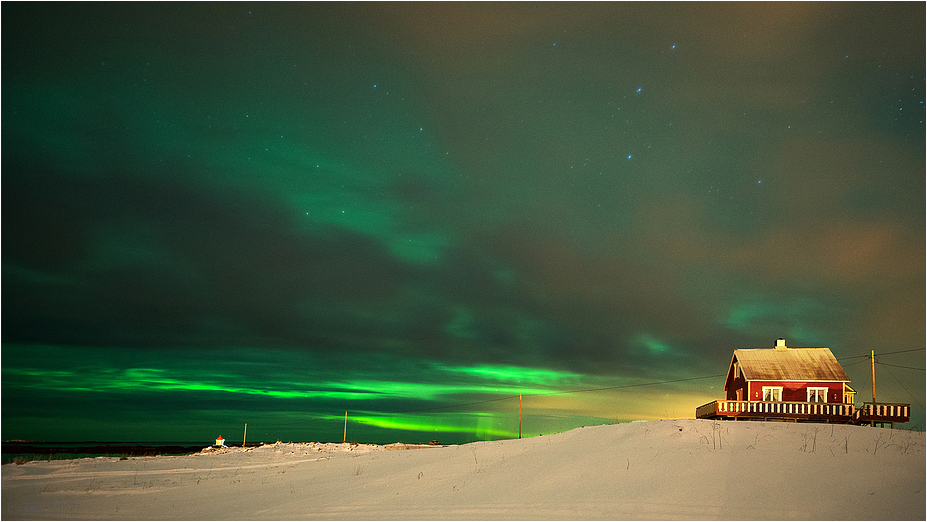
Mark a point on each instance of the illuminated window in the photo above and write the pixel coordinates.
(817, 394)
(772, 393)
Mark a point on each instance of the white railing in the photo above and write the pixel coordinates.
(775, 409)
(885, 410)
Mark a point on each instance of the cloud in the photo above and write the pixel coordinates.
(177, 262)
(610, 193)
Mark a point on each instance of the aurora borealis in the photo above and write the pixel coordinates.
(227, 213)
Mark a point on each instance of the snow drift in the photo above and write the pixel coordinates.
(674, 469)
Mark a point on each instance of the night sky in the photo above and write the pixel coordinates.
(226, 213)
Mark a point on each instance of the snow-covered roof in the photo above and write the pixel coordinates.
(791, 364)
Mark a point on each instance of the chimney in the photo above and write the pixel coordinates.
(780, 344)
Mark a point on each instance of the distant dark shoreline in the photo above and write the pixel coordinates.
(97, 443)
(37, 451)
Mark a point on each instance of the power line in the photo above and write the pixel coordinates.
(506, 397)
(900, 366)
(852, 357)
(868, 356)
(643, 384)
(449, 406)
(564, 393)
(905, 389)
(902, 351)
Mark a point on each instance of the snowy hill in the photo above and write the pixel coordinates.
(675, 469)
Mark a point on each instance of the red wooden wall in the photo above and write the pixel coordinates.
(796, 391)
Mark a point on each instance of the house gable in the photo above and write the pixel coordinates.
(729, 379)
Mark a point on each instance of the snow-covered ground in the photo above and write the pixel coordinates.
(673, 469)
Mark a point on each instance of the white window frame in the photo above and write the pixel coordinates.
(776, 393)
(820, 392)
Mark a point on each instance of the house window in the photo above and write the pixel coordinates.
(817, 394)
(736, 370)
(772, 393)
(849, 395)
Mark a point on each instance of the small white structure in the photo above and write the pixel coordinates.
(220, 441)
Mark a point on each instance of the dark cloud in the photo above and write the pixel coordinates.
(124, 260)
(391, 199)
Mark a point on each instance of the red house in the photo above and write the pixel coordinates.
(787, 374)
(796, 384)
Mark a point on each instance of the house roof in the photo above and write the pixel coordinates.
(792, 364)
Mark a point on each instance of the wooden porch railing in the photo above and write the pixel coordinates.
(776, 409)
(883, 412)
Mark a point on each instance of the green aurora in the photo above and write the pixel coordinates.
(433, 216)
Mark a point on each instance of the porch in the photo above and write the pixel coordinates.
(777, 410)
(882, 413)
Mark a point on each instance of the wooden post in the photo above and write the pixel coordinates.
(519, 415)
(345, 427)
(872, 357)
(245, 436)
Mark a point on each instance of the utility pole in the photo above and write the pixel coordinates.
(872, 357)
(345, 427)
(519, 415)
(244, 437)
